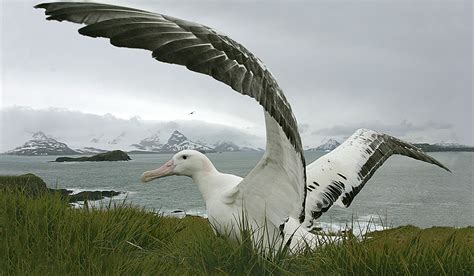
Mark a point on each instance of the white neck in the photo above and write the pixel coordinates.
(209, 182)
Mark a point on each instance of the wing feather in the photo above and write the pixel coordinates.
(338, 176)
(133, 28)
(279, 174)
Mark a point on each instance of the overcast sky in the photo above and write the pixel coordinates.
(400, 67)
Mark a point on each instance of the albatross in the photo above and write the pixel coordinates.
(281, 198)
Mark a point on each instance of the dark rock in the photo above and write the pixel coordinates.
(62, 192)
(32, 185)
(29, 184)
(92, 195)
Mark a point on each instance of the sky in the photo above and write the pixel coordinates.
(399, 67)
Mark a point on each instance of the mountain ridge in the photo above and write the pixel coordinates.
(42, 144)
(327, 145)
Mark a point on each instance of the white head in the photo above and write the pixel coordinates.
(186, 162)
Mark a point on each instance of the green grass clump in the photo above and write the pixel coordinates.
(29, 184)
(42, 235)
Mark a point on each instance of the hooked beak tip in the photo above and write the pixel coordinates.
(144, 178)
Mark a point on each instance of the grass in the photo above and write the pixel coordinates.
(41, 235)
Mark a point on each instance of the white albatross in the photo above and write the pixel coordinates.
(280, 195)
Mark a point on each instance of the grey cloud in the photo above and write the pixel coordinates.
(303, 128)
(426, 132)
(78, 128)
(340, 63)
(171, 125)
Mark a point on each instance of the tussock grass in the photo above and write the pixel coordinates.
(42, 235)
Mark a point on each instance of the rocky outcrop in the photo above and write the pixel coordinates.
(32, 185)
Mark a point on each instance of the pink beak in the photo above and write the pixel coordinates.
(165, 170)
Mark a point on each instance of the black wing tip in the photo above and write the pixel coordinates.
(46, 6)
(446, 168)
(408, 146)
(42, 6)
(84, 31)
(430, 159)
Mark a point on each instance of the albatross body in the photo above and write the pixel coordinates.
(221, 193)
(281, 197)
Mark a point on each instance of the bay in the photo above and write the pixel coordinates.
(403, 191)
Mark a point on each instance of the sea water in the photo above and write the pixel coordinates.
(403, 191)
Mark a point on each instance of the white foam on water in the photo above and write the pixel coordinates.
(360, 226)
(183, 213)
(77, 205)
(99, 203)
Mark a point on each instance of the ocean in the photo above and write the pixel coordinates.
(403, 191)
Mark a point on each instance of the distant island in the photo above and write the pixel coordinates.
(116, 155)
(442, 147)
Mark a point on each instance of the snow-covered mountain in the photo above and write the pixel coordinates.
(96, 140)
(249, 149)
(90, 150)
(226, 146)
(151, 143)
(178, 142)
(117, 139)
(40, 144)
(329, 145)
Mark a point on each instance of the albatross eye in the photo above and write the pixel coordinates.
(185, 156)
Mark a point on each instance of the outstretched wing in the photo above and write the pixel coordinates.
(198, 47)
(204, 50)
(271, 191)
(338, 176)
